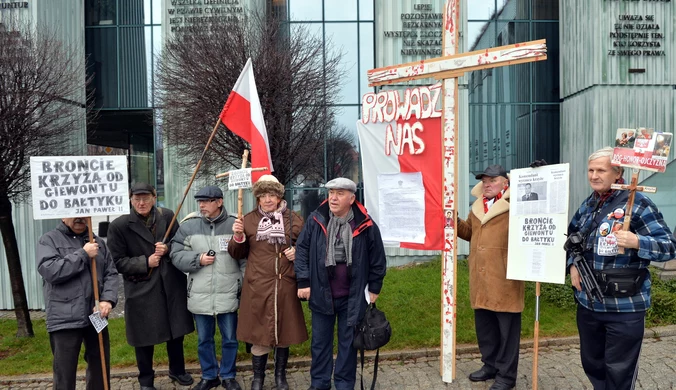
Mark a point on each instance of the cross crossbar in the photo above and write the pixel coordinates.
(455, 65)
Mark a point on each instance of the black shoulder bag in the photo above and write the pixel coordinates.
(373, 332)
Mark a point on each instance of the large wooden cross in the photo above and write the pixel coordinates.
(448, 68)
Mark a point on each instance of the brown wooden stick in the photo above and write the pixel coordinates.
(187, 189)
(95, 281)
(630, 205)
(226, 174)
(536, 336)
(240, 201)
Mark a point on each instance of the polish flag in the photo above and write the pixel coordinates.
(424, 169)
(242, 114)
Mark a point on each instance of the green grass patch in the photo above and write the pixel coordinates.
(411, 298)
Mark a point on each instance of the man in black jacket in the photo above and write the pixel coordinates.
(156, 308)
(339, 254)
(64, 262)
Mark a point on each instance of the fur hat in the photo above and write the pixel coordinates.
(268, 184)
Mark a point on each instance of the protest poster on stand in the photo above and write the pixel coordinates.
(71, 186)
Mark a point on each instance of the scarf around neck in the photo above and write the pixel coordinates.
(339, 227)
(487, 201)
(271, 225)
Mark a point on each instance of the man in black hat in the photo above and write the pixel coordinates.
(497, 302)
(200, 249)
(155, 309)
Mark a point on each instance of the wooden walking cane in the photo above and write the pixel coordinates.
(187, 189)
(536, 335)
(95, 282)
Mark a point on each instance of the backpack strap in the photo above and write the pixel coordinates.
(375, 369)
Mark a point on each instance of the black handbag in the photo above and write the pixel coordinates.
(373, 332)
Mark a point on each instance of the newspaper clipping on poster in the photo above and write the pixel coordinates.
(401, 201)
(538, 219)
(642, 148)
(72, 186)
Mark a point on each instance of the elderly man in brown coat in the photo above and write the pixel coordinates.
(497, 302)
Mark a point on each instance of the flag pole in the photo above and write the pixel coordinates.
(187, 189)
(95, 282)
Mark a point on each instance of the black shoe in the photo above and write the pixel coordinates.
(501, 386)
(281, 359)
(182, 379)
(230, 384)
(206, 384)
(148, 388)
(483, 374)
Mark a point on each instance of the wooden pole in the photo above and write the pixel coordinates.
(187, 189)
(536, 336)
(95, 282)
(240, 201)
(630, 204)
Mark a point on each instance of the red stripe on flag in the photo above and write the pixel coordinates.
(430, 164)
(236, 116)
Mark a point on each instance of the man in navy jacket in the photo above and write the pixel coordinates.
(339, 253)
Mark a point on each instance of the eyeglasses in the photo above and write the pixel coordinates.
(206, 200)
(142, 199)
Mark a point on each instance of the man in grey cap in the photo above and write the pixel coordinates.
(155, 306)
(200, 249)
(338, 254)
(497, 302)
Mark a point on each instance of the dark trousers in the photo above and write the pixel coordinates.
(498, 334)
(610, 344)
(345, 372)
(144, 361)
(66, 345)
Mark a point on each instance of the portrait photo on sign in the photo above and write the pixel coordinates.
(662, 145)
(625, 138)
(531, 191)
(644, 140)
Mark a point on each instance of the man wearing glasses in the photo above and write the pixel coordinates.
(155, 291)
(200, 249)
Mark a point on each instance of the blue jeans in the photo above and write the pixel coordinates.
(322, 349)
(206, 349)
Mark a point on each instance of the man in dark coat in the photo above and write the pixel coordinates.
(338, 255)
(156, 308)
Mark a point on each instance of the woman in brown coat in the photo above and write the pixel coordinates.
(270, 314)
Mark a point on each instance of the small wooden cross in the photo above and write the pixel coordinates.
(632, 187)
(448, 68)
(240, 202)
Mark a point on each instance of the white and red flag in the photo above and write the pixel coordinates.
(243, 115)
(400, 141)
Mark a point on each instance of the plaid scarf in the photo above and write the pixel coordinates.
(271, 225)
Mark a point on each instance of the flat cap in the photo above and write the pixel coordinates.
(341, 183)
(209, 192)
(142, 188)
(493, 171)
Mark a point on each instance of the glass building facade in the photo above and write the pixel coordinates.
(514, 110)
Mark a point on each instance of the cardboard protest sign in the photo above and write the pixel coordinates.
(642, 148)
(239, 178)
(71, 186)
(538, 221)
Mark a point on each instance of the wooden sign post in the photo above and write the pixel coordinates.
(448, 68)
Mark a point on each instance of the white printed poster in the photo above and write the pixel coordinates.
(72, 186)
(538, 221)
(401, 201)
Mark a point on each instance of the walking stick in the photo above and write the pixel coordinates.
(95, 281)
(536, 340)
(240, 192)
(187, 189)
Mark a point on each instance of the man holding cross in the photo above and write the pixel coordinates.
(611, 331)
(64, 262)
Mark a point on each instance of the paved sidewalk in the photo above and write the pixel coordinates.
(559, 368)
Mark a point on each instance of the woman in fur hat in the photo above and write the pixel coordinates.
(270, 314)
